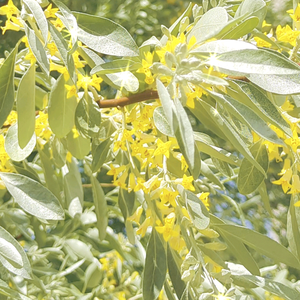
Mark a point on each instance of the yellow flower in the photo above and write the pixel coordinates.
(12, 23)
(286, 166)
(177, 242)
(11, 119)
(295, 15)
(52, 47)
(140, 184)
(146, 64)
(167, 196)
(85, 81)
(167, 230)
(72, 91)
(286, 34)
(4, 158)
(59, 25)
(50, 12)
(295, 189)
(9, 10)
(186, 182)
(262, 43)
(284, 181)
(204, 198)
(148, 222)
(136, 216)
(119, 145)
(162, 148)
(115, 171)
(42, 128)
(196, 92)
(121, 180)
(294, 141)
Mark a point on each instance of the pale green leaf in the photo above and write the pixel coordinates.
(247, 116)
(161, 122)
(80, 249)
(101, 154)
(63, 49)
(78, 146)
(293, 226)
(271, 286)
(262, 244)
(38, 50)
(249, 178)
(13, 256)
(39, 16)
(250, 61)
(12, 147)
(61, 110)
(185, 137)
(221, 46)
(100, 207)
(155, 267)
(105, 36)
(210, 24)
(115, 66)
(231, 134)
(26, 107)
(7, 71)
(259, 103)
(33, 197)
(278, 84)
(88, 117)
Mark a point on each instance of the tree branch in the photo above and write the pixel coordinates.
(147, 95)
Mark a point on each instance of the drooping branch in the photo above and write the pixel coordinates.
(147, 95)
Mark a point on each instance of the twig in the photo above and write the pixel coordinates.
(147, 95)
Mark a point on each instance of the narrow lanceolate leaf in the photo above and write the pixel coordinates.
(88, 117)
(63, 50)
(278, 84)
(249, 61)
(281, 290)
(221, 46)
(105, 36)
(7, 86)
(253, 97)
(262, 244)
(13, 256)
(12, 146)
(39, 16)
(249, 178)
(73, 187)
(161, 122)
(33, 197)
(185, 137)
(197, 210)
(231, 134)
(155, 267)
(248, 117)
(61, 109)
(26, 107)
(293, 226)
(69, 21)
(236, 247)
(115, 66)
(101, 154)
(100, 207)
(38, 50)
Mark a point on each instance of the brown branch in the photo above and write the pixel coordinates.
(147, 95)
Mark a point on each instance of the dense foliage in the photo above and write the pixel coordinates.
(164, 171)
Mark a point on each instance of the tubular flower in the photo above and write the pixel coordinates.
(295, 15)
(136, 216)
(186, 182)
(287, 34)
(284, 181)
(162, 148)
(9, 10)
(4, 158)
(146, 64)
(50, 12)
(115, 171)
(72, 91)
(167, 230)
(295, 189)
(167, 196)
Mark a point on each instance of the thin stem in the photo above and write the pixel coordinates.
(123, 101)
